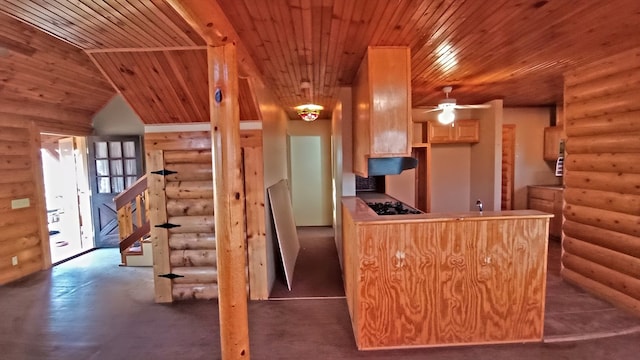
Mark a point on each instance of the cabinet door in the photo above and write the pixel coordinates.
(390, 102)
(462, 131)
(552, 137)
(440, 134)
(467, 131)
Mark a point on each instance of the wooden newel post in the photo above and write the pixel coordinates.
(228, 201)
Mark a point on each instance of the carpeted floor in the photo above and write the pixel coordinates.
(90, 308)
(317, 272)
(570, 313)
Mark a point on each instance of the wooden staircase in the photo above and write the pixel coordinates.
(133, 224)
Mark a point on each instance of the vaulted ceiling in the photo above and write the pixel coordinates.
(516, 50)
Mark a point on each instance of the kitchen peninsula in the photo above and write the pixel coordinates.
(437, 279)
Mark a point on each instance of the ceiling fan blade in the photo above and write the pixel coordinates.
(430, 110)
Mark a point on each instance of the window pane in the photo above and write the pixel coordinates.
(104, 186)
(101, 149)
(131, 180)
(130, 167)
(102, 167)
(115, 149)
(118, 184)
(129, 149)
(116, 167)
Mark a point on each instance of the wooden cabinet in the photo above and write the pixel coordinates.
(462, 131)
(382, 106)
(549, 200)
(437, 280)
(552, 137)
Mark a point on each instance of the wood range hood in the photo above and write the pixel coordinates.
(382, 112)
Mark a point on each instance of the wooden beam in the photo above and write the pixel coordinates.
(228, 201)
(210, 22)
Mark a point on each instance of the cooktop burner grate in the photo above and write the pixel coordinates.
(392, 208)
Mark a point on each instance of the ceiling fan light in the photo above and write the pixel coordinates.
(446, 117)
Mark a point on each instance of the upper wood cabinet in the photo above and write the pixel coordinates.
(382, 106)
(462, 131)
(552, 137)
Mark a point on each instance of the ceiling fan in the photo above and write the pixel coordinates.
(448, 105)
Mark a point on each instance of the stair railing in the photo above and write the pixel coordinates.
(132, 208)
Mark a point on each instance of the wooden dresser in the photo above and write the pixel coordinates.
(548, 198)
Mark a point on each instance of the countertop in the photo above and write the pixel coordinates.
(361, 212)
(551, 187)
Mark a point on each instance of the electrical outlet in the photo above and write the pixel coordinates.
(14, 260)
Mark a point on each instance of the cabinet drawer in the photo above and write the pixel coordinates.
(540, 193)
(541, 205)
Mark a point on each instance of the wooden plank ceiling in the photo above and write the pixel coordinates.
(514, 50)
(47, 80)
(144, 48)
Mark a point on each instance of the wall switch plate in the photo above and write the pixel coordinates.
(14, 260)
(20, 203)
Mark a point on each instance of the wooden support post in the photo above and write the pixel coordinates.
(228, 201)
(159, 236)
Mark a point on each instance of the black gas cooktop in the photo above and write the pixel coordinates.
(392, 208)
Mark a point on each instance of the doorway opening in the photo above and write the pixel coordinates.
(67, 194)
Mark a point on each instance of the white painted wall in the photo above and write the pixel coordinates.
(486, 159)
(274, 146)
(343, 178)
(463, 173)
(530, 167)
(117, 118)
(402, 186)
(450, 177)
(312, 202)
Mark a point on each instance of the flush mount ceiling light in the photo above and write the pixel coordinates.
(309, 112)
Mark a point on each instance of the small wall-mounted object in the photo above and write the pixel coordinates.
(560, 161)
(20, 203)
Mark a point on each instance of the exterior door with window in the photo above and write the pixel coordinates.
(115, 163)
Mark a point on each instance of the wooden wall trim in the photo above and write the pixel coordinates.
(256, 227)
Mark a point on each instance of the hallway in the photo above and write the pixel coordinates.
(82, 311)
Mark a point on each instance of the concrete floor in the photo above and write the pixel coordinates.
(89, 308)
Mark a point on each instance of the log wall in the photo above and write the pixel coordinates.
(24, 232)
(185, 198)
(601, 233)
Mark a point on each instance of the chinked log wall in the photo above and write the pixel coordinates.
(185, 198)
(24, 232)
(602, 196)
